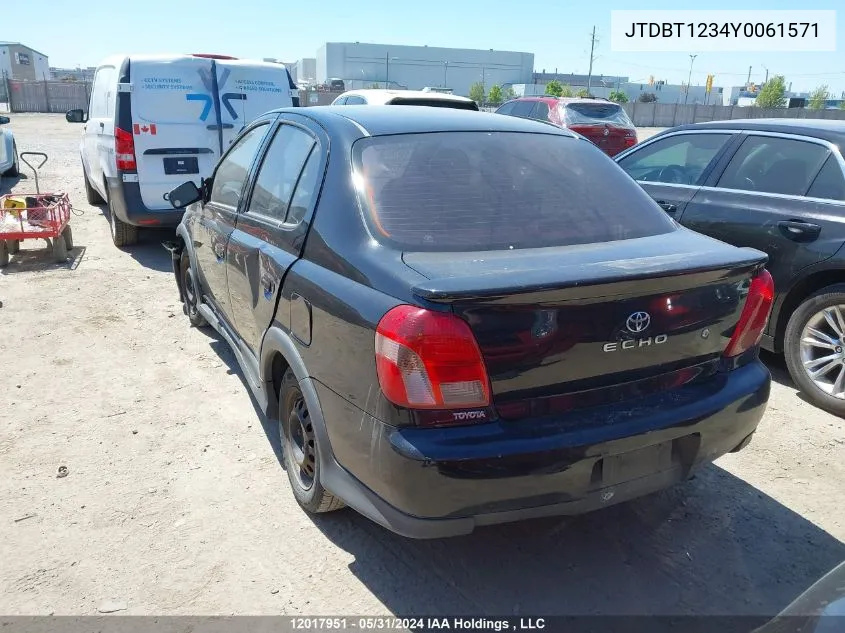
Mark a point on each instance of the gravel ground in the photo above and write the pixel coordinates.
(175, 502)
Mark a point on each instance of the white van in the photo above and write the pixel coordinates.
(155, 121)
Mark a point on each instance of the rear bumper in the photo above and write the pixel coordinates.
(128, 206)
(428, 483)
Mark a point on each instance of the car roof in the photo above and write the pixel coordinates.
(382, 95)
(831, 130)
(399, 119)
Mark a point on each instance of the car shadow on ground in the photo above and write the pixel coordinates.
(712, 546)
(222, 349)
(780, 374)
(7, 183)
(149, 251)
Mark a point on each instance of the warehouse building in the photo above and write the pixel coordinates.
(21, 62)
(416, 67)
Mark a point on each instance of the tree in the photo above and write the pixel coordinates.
(842, 105)
(617, 96)
(375, 86)
(554, 88)
(647, 97)
(772, 94)
(508, 94)
(818, 98)
(494, 97)
(476, 92)
(583, 93)
(566, 91)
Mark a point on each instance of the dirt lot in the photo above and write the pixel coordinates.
(175, 502)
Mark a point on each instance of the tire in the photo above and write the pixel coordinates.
(67, 234)
(14, 246)
(4, 253)
(91, 194)
(122, 234)
(191, 294)
(60, 249)
(15, 169)
(831, 345)
(300, 450)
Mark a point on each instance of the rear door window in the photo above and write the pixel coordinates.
(829, 184)
(540, 111)
(498, 190)
(773, 164)
(507, 108)
(355, 100)
(679, 159)
(279, 172)
(523, 108)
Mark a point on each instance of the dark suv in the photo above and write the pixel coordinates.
(603, 122)
(778, 186)
(462, 319)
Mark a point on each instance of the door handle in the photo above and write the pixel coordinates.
(799, 231)
(668, 207)
(102, 125)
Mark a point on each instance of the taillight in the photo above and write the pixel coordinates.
(124, 150)
(630, 138)
(429, 360)
(755, 314)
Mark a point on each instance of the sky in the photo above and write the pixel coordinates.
(558, 33)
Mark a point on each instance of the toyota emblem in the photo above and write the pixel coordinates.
(638, 322)
(606, 131)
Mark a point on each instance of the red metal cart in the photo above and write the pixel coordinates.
(45, 216)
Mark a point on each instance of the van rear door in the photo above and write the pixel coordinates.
(186, 111)
(172, 111)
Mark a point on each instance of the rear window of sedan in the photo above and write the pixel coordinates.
(481, 191)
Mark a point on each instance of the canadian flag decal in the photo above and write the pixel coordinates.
(143, 128)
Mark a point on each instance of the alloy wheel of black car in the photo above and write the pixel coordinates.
(814, 346)
(189, 288)
(300, 450)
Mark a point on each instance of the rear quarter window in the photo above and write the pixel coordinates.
(497, 190)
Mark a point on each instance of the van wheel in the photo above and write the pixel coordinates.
(814, 347)
(300, 450)
(122, 234)
(91, 194)
(15, 169)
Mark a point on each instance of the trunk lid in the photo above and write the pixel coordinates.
(613, 317)
(609, 138)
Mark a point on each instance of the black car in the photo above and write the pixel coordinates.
(462, 319)
(776, 185)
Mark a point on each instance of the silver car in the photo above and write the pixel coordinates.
(9, 165)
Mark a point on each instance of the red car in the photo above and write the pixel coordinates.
(603, 122)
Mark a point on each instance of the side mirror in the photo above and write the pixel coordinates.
(185, 194)
(4, 120)
(76, 116)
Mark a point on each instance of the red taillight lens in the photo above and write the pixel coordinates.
(124, 149)
(755, 314)
(429, 360)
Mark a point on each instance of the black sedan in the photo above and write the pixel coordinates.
(777, 185)
(462, 319)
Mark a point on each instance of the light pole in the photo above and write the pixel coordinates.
(689, 78)
(445, 71)
(766, 80)
(387, 59)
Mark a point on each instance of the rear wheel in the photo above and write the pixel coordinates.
(15, 169)
(814, 347)
(67, 235)
(14, 246)
(300, 450)
(122, 234)
(4, 253)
